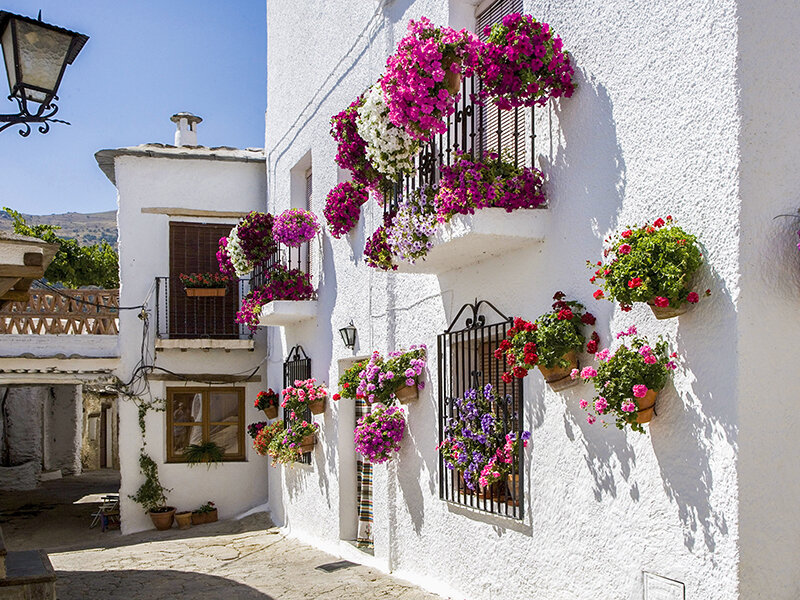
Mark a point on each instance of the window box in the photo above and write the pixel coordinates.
(281, 313)
(489, 233)
(206, 292)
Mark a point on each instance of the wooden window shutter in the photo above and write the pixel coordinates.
(309, 188)
(501, 128)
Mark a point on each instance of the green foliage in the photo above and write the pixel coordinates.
(151, 494)
(208, 452)
(285, 448)
(348, 382)
(74, 265)
(206, 508)
(649, 262)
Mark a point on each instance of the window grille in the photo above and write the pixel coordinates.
(297, 367)
(466, 361)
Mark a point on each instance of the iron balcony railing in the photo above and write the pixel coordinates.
(179, 316)
(286, 256)
(473, 129)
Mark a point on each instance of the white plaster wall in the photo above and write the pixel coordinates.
(144, 255)
(62, 419)
(651, 131)
(43, 346)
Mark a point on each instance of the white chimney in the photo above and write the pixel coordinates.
(186, 135)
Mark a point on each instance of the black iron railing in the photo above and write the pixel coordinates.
(180, 316)
(467, 362)
(473, 129)
(297, 368)
(285, 256)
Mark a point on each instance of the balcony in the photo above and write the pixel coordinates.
(199, 323)
(283, 313)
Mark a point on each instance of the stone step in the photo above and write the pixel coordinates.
(29, 576)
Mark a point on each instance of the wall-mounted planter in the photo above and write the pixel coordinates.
(206, 292)
(407, 393)
(646, 407)
(271, 412)
(489, 233)
(558, 378)
(287, 312)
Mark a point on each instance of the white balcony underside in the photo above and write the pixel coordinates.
(287, 312)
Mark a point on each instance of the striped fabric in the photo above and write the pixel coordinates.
(364, 489)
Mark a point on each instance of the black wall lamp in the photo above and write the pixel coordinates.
(36, 55)
(348, 334)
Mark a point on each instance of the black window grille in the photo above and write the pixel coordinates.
(297, 367)
(286, 256)
(466, 361)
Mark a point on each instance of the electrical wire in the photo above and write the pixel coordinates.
(55, 290)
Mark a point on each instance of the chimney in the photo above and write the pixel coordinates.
(186, 135)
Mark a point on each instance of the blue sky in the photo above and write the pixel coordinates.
(145, 60)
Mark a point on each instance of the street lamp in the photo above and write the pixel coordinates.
(36, 55)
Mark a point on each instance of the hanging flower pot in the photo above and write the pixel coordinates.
(558, 377)
(667, 312)
(452, 82)
(268, 402)
(317, 407)
(206, 292)
(646, 406)
(271, 412)
(308, 442)
(407, 393)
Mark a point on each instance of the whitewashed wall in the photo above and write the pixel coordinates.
(679, 110)
(144, 255)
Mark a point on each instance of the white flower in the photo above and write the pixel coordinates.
(241, 265)
(389, 148)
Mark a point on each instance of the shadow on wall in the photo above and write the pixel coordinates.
(78, 585)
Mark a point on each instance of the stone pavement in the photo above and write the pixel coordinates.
(230, 560)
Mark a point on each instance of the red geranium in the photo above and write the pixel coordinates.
(635, 282)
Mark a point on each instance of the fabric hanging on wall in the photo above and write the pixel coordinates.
(364, 489)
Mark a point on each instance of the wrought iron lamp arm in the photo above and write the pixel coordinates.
(24, 117)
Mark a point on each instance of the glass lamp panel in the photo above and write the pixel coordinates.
(42, 54)
(226, 437)
(187, 408)
(8, 54)
(224, 406)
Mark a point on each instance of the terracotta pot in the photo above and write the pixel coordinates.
(307, 443)
(453, 82)
(204, 517)
(558, 377)
(317, 407)
(667, 312)
(646, 406)
(407, 393)
(206, 292)
(184, 519)
(271, 412)
(163, 519)
(512, 483)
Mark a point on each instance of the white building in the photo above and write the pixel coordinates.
(681, 108)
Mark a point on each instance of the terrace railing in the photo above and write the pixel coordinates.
(70, 312)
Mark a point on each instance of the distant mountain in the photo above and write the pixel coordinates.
(87, 228)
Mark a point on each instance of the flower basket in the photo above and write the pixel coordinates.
(206, 292)
(317, 407)
(198, 518)
(407, 393)
(668, 312)
(308, 443)
(271, 412)
(184, 519)
(646, 407)
(558, 377)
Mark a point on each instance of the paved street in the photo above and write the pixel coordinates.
(234, 560)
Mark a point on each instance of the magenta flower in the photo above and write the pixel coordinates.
(640, 391)
(628, 407)
(588, 372)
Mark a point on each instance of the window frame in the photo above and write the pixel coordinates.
(205, 423)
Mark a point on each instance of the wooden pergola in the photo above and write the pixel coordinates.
(23, 260)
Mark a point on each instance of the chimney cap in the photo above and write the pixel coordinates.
(190, 118)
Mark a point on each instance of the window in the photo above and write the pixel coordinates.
(502, 131)
(297, 367)
(198, 415)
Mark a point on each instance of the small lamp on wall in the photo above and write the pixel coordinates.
(348, 334)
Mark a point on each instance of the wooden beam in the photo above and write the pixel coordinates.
(16, 296)
(33, 259)
(6, 283)
(21, 271)
(199, 378)
(192, 212)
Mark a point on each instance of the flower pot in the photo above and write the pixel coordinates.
(646, 406)
(512, 484)
(452, 82)
(667, 312)
(558, 377)
(206, 292)
(163, 517)
(198, 518)
(184, 519)
(271, 412)
(317, 407)
(407, 393)
(307, 443)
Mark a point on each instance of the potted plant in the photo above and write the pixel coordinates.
(378, 434)
(627, 380)
(552, 343)
(302, 394)
(478, 447)
(204, 284)
(349, 380)
(377, 252)
(209, 453)
(249, 243)
(184, 519)
(298, 438)
(265, 435)
(268, 402)
(153, 496)
(207, 513)
(402, 373)
(423, 77)
(343, 207)
(351, 150)
(414, 225)
(253, 429)
(294, 227)
(523, 63)
(282, 284)
(653, 264)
